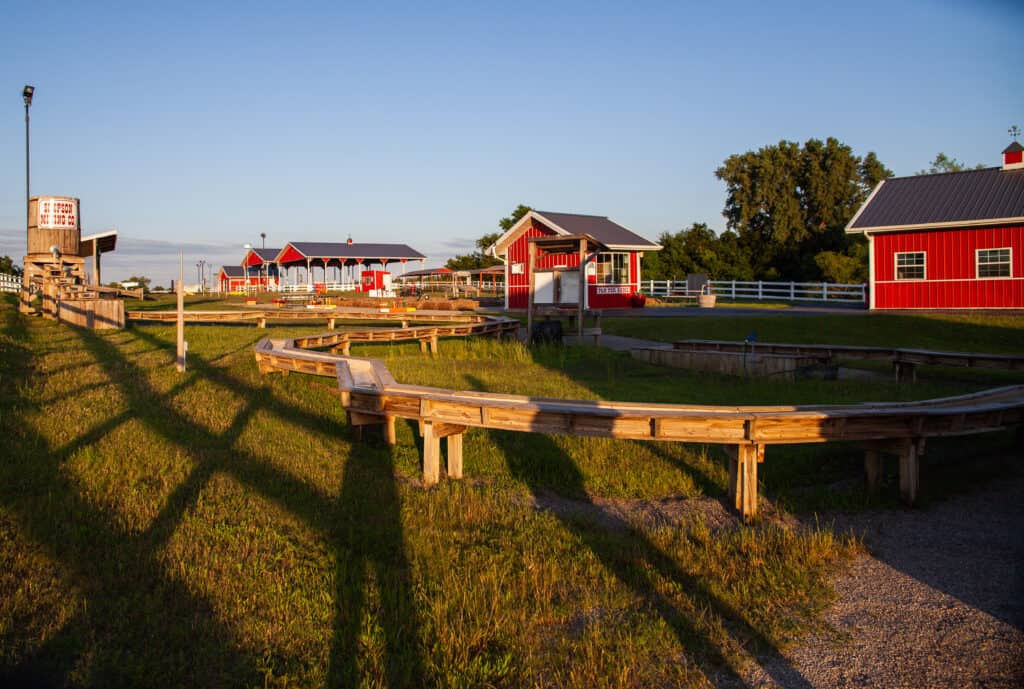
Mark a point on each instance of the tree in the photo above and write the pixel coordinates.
(697, 250)
(479, 258)
(788, 203)
(9, 267)
(944, 163)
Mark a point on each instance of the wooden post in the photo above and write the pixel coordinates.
(180, 363)
(389, 430)
(423, 346)
(531, 266)
(330, 324)
(910, 468)
(906, 372)
(455, 455)
(743, 480)
(583, 288)
(261, 323)
(433, 344)
(873, 466)
(431, 455)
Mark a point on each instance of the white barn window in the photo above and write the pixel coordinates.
(910, 265)
(993, 263)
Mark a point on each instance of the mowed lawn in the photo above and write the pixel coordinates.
(222, 528)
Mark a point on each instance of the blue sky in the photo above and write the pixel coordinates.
(196, 126)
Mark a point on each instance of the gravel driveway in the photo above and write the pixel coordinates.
(938, 602)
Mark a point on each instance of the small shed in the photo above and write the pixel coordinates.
(612, 272)
(231, 279)
(953, 240)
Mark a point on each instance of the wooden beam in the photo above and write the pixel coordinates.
(389, 430)
(531, 270)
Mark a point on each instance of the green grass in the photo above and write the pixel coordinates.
(221, 528)
(964, 333)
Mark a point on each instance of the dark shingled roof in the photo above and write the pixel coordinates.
(267, 255)
(233, 271)
(345, 250)
(970, 197)
(600, 228)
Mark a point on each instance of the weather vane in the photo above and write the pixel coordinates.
(1014, 131)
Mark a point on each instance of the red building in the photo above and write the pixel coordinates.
(947, 241)
(231, 279)
(613, 275)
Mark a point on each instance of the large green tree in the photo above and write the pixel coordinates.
(697, 250)
(479, 258)
(788, 203)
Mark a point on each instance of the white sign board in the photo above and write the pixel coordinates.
(58, 213)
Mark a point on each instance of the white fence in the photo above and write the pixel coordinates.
(10, 283)
(761, 291)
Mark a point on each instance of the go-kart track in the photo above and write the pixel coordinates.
(371, 395)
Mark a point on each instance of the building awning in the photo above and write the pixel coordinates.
(101, 242)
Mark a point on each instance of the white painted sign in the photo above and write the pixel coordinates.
(57, 213)
(615, 289)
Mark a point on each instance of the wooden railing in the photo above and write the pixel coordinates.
(371, 395)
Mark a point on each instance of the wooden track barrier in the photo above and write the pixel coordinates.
(904, 361)
(371, 396)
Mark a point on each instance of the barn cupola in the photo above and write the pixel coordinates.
(1013, 156)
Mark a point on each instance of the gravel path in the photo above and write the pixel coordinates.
(938, 602)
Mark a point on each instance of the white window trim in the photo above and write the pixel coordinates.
(977, 266)
(896, 266)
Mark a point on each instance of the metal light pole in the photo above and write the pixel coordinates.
(263, 236)
(27, 95)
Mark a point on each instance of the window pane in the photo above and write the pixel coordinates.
(994, 263)
(910, 266)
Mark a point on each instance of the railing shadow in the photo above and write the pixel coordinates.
(146, 615)
(637, 562)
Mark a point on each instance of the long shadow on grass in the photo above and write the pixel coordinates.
(635, 560)
(142, 628)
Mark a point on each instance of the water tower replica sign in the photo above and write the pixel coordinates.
(54, 281)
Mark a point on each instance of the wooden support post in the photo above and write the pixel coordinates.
(910, 470)
(389, 430)
(582, 296)
(455, 455)
(405, 325)
(743, 480)
(423, 346)
(906, 372)
(433, 344)
(531, 270)
(431, 455)
(261, 323)
(873, 466)
(330, 324)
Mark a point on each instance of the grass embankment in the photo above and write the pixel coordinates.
(219, 528)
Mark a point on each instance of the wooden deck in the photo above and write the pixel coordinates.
(371, 395)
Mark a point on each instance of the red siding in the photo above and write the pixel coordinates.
(519, 285)
(950, 274)
(1012, 158)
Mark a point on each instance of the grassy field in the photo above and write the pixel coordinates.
(219, 528)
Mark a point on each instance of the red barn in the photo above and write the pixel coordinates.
(947, 241)
(613, 276)
(231, 279)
